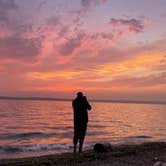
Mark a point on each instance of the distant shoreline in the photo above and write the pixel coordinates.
(95, 100)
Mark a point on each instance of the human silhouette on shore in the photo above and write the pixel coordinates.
(80, 107)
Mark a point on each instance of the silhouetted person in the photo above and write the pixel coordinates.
(80, 107)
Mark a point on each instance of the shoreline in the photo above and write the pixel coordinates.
(125, 155)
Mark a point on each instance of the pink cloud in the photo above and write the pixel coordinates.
(145, 81)
(71, 44)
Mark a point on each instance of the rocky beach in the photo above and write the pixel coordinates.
(146, 154)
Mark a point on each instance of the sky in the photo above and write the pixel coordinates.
(109, 49)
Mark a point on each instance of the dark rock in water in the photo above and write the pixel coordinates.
(102, 147)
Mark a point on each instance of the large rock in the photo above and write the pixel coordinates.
(159, 163)
(102, 147)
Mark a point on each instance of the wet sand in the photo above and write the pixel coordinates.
(146, 154)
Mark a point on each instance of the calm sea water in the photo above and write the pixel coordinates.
(29, 128)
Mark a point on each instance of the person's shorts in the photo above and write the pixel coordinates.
(80, 130)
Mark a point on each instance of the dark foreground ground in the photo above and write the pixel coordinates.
(146, 154)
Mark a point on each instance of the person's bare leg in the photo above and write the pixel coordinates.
(81, 141)
(75, 141)
(75, 148)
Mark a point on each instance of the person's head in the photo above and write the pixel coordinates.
(79, 95)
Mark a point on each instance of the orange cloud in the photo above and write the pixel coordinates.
(139, 66)
(53, 75)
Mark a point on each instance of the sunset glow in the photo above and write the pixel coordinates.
(109, 49)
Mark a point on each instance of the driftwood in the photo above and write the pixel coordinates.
(102, 147)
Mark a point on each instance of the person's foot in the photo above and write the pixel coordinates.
(80, 150)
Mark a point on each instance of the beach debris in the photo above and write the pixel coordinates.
(159, 163)
(102, 147)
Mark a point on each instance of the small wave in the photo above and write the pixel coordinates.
(96, 126)
(38, 147)
(26, 135)
(141, 137)
(92, 133)
(59, 127)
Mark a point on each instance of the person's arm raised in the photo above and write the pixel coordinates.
(87, 104)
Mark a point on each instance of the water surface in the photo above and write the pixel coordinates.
(43, 127)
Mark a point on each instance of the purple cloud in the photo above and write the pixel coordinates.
(53, 21)
(42, 4)
(133, 25)
(89, 3)
(5, 7)
(19, 48)
(8, 4)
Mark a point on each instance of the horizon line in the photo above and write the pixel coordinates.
(69, 99)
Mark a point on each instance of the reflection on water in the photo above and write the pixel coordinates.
(126, 120)
(28, 123)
